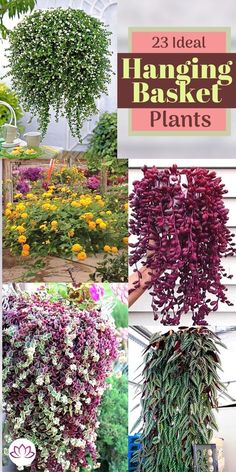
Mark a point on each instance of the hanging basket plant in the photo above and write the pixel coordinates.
(59, 59)
(179, 391)
(180, 222)
(56, 361)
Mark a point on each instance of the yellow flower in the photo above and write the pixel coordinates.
(25, 253)
(126, 206)
(22, 239)
(7, 212)
(20, 207)
(20, 229)
(54, 223)
(103, 225)
(46, 206)
(92, 225)
(106, 248)
(75, 204)
(114, 249)
(109, 212)
(47, 194)
(85, 200)
(15, 152)
(98, 197)
(43, 227)
(14, 227)
(88, 216)
(125, 240)
(9, 205)
(53, 207)
(24, 216)
(31, 196)
(76, 247)
(101, 203)
(99, 221)
(26, 247)
(17, 195)
(71, 233)
(30, 151)
(82, 256)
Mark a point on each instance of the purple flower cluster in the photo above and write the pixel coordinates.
(56, 361)
(179, 219)
(22, 186)
(96, 292)
(31, 173)
(93, 182)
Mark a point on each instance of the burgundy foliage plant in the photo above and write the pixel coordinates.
(180, 223)
(55, 365)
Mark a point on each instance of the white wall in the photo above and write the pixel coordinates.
(58, 134)
(226, 420)
(141, 312)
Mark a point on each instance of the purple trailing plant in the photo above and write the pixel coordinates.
(56, 362)
(180, 222)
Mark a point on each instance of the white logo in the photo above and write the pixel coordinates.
(22, 452)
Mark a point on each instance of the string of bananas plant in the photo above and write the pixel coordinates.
(180, 389)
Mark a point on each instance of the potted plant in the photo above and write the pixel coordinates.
(57, 357)
(59, 59)
(179, 219)
(180, 389)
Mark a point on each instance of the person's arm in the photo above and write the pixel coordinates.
(143, 284)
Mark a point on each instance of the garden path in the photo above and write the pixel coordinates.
(56, 269)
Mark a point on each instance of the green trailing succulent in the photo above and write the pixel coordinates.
(59, 59)
(179, 392)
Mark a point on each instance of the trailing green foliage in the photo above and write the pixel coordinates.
(102, 151)
(180, 390)
(60, 59)
(7, 95)
(13, 8)
(112, 433)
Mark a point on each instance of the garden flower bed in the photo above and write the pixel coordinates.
(63, 212)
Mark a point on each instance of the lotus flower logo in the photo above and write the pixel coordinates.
(22, 452)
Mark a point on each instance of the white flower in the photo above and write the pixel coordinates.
(100, 391)
(73, 367)
(64, 399)
(29, 351)
(39, 380)
(88, 401)
(93, 382)
(96, 357)
(69, 381)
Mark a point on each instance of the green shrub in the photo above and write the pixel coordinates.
(102, 151)
(112, 433)
(9, 96)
